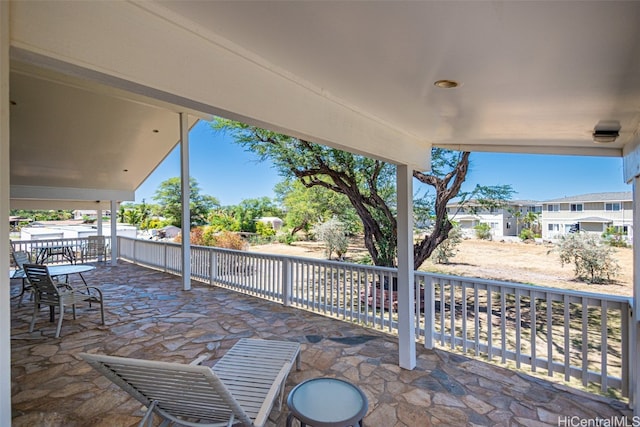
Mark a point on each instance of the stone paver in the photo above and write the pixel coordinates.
(149, 316)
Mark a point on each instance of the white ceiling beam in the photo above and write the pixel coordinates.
(227, 81)
(93, 195)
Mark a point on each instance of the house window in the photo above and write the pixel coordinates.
(576, 207)
(612, 206)
(508, 225)
(553, 208)
(554, 227)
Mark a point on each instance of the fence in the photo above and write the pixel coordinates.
(56, 251)
(576, 334)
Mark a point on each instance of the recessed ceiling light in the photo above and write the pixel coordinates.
(156, 131)
(446, 84)
(125, 170)
(13, 102)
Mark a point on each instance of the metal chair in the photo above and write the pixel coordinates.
(48, 292)
(20, 258)
(96, 248)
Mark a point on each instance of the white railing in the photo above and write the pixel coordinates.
(577, 334)
(57, 251)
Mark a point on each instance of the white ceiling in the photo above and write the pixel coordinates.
(536, 77)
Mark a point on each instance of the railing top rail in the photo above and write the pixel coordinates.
(530, 287)
(488, 282)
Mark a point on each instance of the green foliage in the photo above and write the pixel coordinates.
(593, 260)
(449, 248)
(307, 206)
(333, 234)
(43, 215)
(483, 231)
(527, 234)
(223, 220)
(615, 237)
(249, 210)
(286, 238)
(265, 230)
(168, 195)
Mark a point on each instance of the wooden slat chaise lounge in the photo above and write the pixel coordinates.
(240, 389)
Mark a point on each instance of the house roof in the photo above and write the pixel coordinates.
(91, 82)
(595, 197)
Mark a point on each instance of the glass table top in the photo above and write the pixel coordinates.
(327, 400)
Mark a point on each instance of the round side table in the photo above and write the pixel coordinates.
(327, 402)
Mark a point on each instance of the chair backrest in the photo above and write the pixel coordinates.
(177, 390)
(96, 243)
(20, 258)
(39, 277)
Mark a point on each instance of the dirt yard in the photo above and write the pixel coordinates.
(508, 261)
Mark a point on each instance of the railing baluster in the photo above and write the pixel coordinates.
(518, 328)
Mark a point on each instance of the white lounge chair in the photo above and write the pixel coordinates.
(240, 389)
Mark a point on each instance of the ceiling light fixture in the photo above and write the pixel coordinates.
(605, 136)
(446, 84)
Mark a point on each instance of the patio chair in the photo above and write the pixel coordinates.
(240, 389)
(51, 293)
(20, 258)
(96, 248)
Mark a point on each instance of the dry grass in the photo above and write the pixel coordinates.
(529, 263)
(508, 261)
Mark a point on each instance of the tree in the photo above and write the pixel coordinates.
(168, 195)
(333, 234)
(249, 210)
(592, 259)
(305, 207)
(368, 184)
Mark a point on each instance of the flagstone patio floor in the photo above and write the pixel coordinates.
(148, 315)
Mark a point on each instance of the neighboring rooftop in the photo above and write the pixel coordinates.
(596, 197)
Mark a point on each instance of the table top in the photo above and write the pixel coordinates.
(59, 270)
(327, 402)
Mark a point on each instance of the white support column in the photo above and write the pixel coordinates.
(99, 221)
(631, 174)
(5, 318)
(114, 232)
(406, 289)
(634, 327)
(186, 197)
(99, 227)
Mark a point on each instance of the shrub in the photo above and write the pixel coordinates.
(334, 236)
(286, 238)
(265, 230)
(483, 231)
(449, 248)
(614, 237)
(593, 261)
(229, 240)
(527, 234)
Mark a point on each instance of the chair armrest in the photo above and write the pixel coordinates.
(199, 360)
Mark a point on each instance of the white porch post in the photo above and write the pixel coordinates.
(406, 289)
(114, 232)
(5, 318)
(99, 225)
(99, 221)
(631, 173)
(186, 197)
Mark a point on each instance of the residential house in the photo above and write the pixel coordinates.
(504, 220)
(592, 213)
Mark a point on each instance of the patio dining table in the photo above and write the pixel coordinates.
(55, 271)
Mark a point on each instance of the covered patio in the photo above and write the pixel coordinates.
(149, 315)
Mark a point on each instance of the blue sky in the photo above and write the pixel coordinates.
(226, 171)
